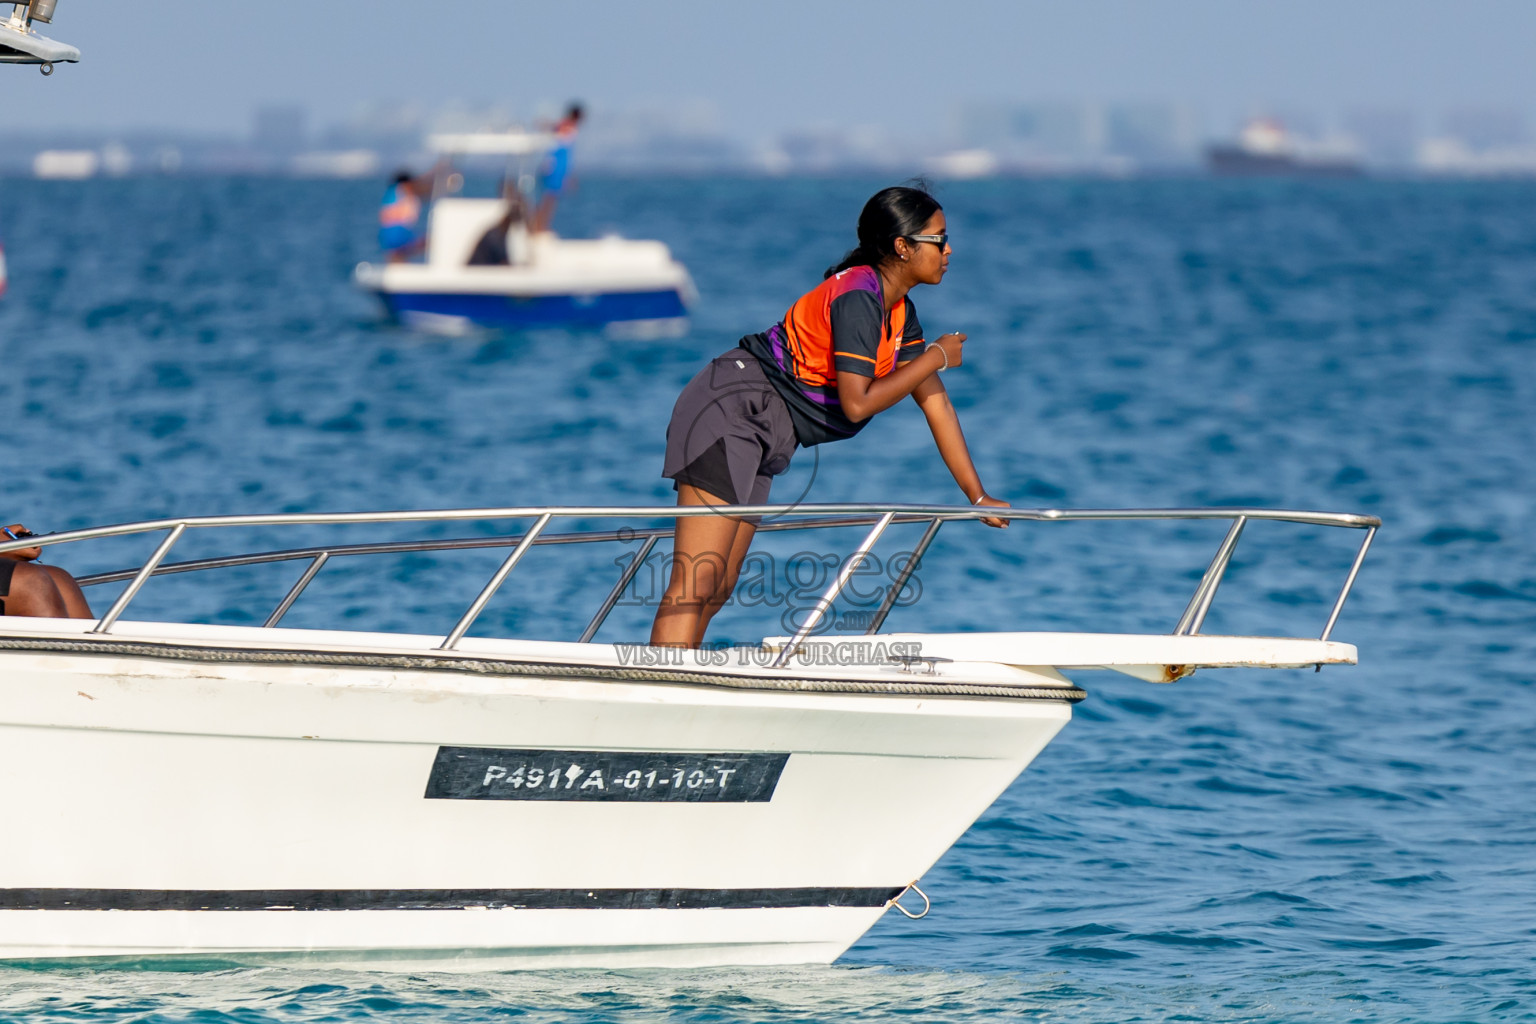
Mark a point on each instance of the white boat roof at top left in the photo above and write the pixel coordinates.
(20, 43)
(628, 286)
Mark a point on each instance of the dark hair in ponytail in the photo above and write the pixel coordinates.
(891, 213)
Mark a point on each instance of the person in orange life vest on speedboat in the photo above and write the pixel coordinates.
(846, 350)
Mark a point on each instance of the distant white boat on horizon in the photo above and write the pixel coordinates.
(343, 163)
(66, 164)
(1266, 149)
(966, 164)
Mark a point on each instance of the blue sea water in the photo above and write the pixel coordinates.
(1350, 845)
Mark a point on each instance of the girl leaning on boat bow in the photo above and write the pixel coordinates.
(846, 350)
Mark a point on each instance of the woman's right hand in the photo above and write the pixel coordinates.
(951, 343)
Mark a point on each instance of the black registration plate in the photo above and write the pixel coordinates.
(496, 773)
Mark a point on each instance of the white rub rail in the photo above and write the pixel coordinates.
(792, 517)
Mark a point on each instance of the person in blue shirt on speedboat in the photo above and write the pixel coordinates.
(401, 215)
(847, 349)
(556, 169)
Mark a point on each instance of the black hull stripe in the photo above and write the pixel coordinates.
(442, 899)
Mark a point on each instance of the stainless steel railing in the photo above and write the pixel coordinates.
(787, 517)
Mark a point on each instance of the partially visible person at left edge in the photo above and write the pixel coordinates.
(400, 216)
(556, 169)
(30, 588)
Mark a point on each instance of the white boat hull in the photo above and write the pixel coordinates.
(214, 807)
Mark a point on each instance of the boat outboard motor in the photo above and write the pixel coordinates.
(20, 43)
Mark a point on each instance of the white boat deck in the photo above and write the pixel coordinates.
(958, 657)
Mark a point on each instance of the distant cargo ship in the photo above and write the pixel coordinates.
(1265, 149)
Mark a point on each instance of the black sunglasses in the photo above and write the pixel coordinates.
(939, 240)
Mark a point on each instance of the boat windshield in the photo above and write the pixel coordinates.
(481, 163)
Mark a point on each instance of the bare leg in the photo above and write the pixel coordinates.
(33, 593)
(74, 599)
(701, 565)
(727, 585)
(544, 213)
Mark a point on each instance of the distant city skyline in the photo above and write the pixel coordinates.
(1051, 137)
(896, 68)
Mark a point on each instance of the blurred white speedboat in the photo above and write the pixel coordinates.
(550, 281)
(189, 792)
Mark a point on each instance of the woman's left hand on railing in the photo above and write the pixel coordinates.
(15, 532)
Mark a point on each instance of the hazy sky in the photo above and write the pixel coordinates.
(897, 64)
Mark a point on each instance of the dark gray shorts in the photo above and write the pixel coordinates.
(730, 432)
